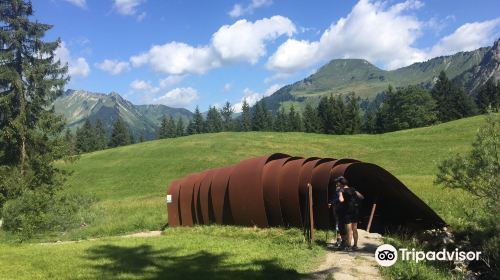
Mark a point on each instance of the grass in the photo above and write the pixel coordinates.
(131, 182)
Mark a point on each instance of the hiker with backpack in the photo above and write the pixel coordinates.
(349, 199)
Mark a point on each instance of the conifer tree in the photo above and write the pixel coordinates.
(258, 117)
(280, 123)
(120, 135)
(339, 115)
(214, 121)
(85, 138)
(179, 127)
(352, 115)
(488, 97)
(162, 130)
(69, 139)
(294, 120)
(227, 116)
(171, 129)
(246, 118)
(198, 123)
(325, 114)
(311, 120)
(452, 102)
(101, 140)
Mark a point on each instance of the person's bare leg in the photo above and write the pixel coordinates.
(355, 233)
(349, 234)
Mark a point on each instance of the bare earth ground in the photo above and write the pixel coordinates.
(360, 264)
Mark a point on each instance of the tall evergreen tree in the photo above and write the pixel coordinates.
(179, 127)
(198, 123)
(339, 115)
(101, 140)
(246, 118)
(120, 135)
(227, 116)
(162, 130)
(267, 116)
(85, 138)
(488, 97)
(352, 114)
(294, 120)
(258, 117)
(452, 102)
(69, 139)
(326, 114)
(311, 120)
(281, 123)
(171, 129)
(30, 80)
(214, 121)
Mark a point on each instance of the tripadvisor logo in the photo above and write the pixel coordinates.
(387, 255)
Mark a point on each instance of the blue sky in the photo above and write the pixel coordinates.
(188, 53)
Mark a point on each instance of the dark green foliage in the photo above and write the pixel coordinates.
(101, 140)
(261, 118)
(70, 140)
(168, 128)
(214, 122)
(227, 116)
(488, 97)
(246, 118)
(311, 120)
(35, 212)
(352, 114)
(120, 135)
(85, 138)
(197, 122)
(294, 120)
(452, 102)
(339, 115)
(179, 127)
(280, 121)
(405, 108)
(325, 114)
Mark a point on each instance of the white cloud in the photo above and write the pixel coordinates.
(467, 37)
(250, 96)
(238, 10)
(77, 67)
(245, 41)
(379, 33)
(241, 42)
(113, 67)
(171, 81)
(79, 3)
(178, 58)
(127, 7)
(178, 97)
(145, 86)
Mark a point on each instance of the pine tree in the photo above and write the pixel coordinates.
(179, 127)
(488, 97)
(339, 115)
(69, 139)
(280, 123)
(30, 79)
(85, 138)
(452, 102)
(214, 121)
(294, 120)
(162, 130)
(198, 123)
(246, 118)
(266, 116)
(101, 140)
(141, 138)
(227, 116)
(171, 129)
(120, 135)
(311, 119)
(352, 114)
(326, 114)
(258, 117)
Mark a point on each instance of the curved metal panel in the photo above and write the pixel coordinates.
(304, 179)
(270, 190)
(205, 198)
(288, 183)
(218, 191)
(173, 209)
(186, 199)
(196, 198)
(320, 181)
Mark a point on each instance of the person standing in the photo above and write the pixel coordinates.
(349, 211)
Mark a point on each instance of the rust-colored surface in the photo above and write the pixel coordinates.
(288, 184)
(174, 215)
(218, 192)
(271, 191)
(206, 207)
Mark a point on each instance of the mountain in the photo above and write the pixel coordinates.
(79, 105)
(343, 76)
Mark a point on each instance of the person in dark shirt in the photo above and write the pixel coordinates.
(349, 211)
(334, 204)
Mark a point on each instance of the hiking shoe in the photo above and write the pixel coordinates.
(348, 249)
(355, 248)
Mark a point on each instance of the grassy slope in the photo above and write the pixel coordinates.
(131, 183)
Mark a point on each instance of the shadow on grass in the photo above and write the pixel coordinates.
(111, 262)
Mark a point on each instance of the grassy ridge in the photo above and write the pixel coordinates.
(131, 181)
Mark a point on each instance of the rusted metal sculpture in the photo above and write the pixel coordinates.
(271, 191)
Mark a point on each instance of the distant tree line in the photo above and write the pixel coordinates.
(394, 109)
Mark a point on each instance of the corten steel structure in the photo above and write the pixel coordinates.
(271, 190)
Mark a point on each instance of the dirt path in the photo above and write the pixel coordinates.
(341, 265)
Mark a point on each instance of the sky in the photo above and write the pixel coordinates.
(204, 53)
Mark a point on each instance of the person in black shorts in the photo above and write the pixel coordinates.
(349, 211)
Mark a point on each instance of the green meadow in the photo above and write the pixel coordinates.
(130, 185)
